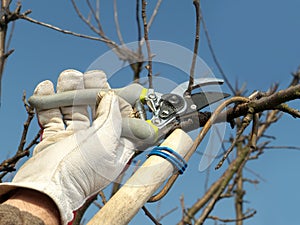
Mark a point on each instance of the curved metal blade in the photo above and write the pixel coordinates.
(203, 99)
(199, 82)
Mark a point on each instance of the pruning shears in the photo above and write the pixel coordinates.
(165, 109)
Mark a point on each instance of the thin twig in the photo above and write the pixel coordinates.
(268, 136)
(149, 66)
(182, 206)
(117, 23)
(223, 146)
(3, 35)
(137, 66)
(166, 213)
(8, 165)
(30, 116)
(96, 16)
(10, 36)
(271, 117)
(196, 46)
(250, 181)
(154, 13)
(103, 198)
(122, 52)
(151, 217)
(206, 182)
(86, 21)
(255, 174)
(285, 108)
(137, 16)
(282, 147)
(34, 141)
(246, 121)
(165, 189)
(233, 220)
(211, 49)
(107, 41)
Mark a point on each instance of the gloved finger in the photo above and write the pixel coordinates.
(125, 108)
(75, 117)
(108, 116)
(50, 120)
(109, 127)
(95, 79)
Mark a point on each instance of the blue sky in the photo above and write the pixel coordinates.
(257, 43)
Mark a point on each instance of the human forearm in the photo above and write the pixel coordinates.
(35, 203)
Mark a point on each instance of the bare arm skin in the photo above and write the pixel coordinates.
(37, 204)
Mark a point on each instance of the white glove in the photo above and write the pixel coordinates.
(77, 158)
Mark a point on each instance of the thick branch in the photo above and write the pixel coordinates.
(262, 104)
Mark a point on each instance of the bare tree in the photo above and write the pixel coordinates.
(260, 111)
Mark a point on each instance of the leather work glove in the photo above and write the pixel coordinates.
(78, 156)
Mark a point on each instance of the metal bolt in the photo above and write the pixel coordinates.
(152, 96)
(173, 99)
(165, 112)
(193, 107)
(156, 121)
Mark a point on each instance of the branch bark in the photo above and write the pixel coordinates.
(264, 103)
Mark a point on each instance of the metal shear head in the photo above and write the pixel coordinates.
(167, 107)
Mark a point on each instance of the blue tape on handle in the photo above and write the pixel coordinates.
(172, 156)
(172, 152)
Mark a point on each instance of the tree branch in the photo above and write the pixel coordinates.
(117, 23)
(8, 165)
(67, 31)
(149, 66)
(265, 103)
(211, 49)
(285, 108)
(151, 217)
(247, 216)
(196, 46)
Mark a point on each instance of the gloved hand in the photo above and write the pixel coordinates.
(77, 156)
